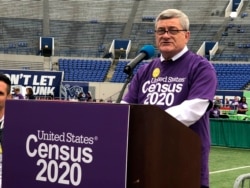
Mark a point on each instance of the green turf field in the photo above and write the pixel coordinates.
(226, 164)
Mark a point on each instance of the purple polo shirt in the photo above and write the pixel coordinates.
(167, 84)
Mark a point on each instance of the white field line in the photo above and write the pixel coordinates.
(230, 169)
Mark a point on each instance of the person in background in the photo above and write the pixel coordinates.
(227, 102)
(50, 96)
(29, 93)
(215, 111)
(88, 97)
(242, 107)
(218, 102)
(5, 87)
(17, 94)
(180, 82)
(235, 103)
(80, 97)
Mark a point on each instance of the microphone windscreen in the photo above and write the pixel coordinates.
(149, 50)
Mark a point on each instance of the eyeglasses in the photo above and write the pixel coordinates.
(169, 32)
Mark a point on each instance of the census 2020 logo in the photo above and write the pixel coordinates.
(57, 161)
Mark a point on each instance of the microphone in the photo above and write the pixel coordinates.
(146, 52)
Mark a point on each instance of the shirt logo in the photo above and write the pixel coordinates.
(156, 72)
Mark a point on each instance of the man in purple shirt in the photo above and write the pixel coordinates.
(180, 82)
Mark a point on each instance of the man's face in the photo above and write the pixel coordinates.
(3, 94)
(171, 44)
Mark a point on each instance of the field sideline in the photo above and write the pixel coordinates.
(226, 164)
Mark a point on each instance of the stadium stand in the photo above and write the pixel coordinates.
(232, 76)
(84, 26)
(84, 30)
(84, 70)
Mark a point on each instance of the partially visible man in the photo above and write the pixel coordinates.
(5, 87)
(180, 82)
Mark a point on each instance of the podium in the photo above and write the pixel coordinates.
(162, 152)
(76, 144)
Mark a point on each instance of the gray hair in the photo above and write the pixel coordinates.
(174, 13)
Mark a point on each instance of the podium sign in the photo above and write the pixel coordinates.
(65, 144)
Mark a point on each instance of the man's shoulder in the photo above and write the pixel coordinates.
(196, 57)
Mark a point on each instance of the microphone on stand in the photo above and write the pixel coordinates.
(146, 52)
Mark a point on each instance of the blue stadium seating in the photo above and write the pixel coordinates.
(232, 76)
(119, 76)
(84, 70)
